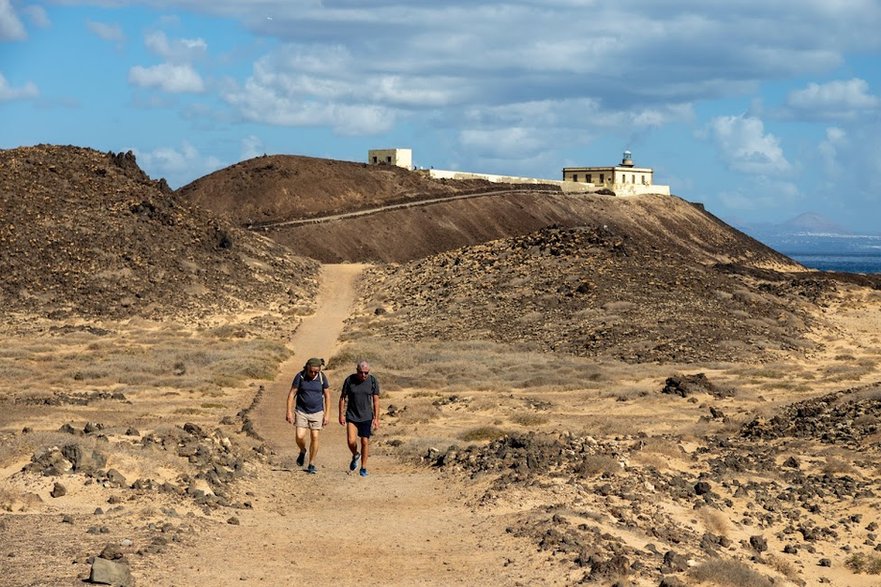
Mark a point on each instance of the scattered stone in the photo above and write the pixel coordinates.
(68, 429)
(92, 427)
(58, 490)
(758, 543)
(111, 552)
(687, 385)
(108, 572)
(701, 488)
(115, 478)
(83, 461)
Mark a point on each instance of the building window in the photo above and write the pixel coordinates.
(388, 159)
(574, 177)
(602, 178)
(588, 178)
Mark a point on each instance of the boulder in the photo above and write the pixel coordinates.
(107, 572)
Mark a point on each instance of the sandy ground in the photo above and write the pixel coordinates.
(400, 526)
(407, 524)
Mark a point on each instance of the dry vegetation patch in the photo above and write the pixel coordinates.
(590, 291)
(144, 422)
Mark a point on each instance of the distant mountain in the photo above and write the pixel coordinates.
(813, 223)
(812, 234)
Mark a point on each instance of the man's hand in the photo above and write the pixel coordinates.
(342, 420)
(326, 420)
(289, 417)
(376, 423)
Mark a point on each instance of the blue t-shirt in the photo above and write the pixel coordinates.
(310, 394)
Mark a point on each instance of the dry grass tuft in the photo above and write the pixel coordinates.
(864, 563)
(482, 433)
(420, 411)
(166, 358)
(728, 573)
(714, 521)
(477, 366)
(594, 465)
(838, 466)
(529, 419)
(784, 567)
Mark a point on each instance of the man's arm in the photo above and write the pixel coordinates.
(326, 406)
(342, 406)
(289, 415)
(376, 411)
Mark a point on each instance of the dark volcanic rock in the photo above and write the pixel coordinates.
(89, 234)
(589, 291)
(686, 385)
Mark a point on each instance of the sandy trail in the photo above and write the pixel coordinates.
(402, 525)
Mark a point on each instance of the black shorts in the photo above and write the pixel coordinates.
(365, 429)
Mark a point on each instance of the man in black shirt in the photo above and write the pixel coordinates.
(359, 412)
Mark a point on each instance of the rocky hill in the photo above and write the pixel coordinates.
(267, 192)
(274, 188)
(602, 291)
(86, 233)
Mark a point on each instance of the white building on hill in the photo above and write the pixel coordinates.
(624, 179)
(398, 157)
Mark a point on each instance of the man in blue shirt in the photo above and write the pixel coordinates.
(311, 391)
(359, 412)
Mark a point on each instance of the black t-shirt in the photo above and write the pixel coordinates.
(359, 397)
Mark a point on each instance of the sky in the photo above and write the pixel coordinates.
(760, 110)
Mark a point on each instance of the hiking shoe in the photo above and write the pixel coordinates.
(301, 459)
(354, 464)
(363, 472)
(311, 469)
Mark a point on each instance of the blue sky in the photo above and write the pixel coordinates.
(761, 110)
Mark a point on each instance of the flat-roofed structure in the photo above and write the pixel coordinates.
(398, 157)
(625, 179)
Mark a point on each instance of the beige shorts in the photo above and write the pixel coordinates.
(311, 421)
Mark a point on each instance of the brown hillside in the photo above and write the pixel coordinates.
(266, 191)
(607, 291)
(286, 187)
(656, 222)
(89, 234)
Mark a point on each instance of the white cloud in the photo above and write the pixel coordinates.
(506, 143)
(836, 138)
(761, 195)
(836, 100)
(167, 77)
(252, 147)
(11, 27)
(176, 50)
(7, 92)
(744, 145)
(280, 93)
(107, 32)
(37, 15)
(176, 164)
(260, 104)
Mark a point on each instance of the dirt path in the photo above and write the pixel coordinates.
(399, 206)
(402, 525)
